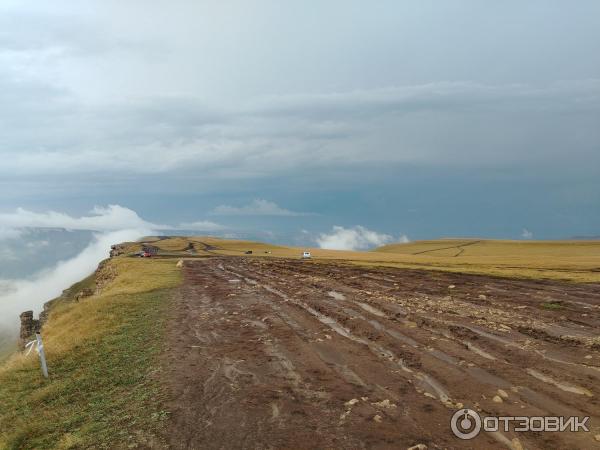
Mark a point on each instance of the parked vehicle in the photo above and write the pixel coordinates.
(306, 255)
(248, 252)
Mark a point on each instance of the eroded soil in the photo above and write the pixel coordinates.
(267, 353)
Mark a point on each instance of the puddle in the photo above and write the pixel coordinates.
(429, 382)
(444, 357)
(547, 403)
(560, 331)
(332, 357)
(372, 310)
(336, 295)
(502, 439)
(559, 384)
(480, 352)
(487, 378)
(494, 337)
(401, 337)
(589, 370)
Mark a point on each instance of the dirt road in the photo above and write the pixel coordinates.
(267, 353)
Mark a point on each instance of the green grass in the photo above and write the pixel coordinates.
(103, 391)
(552, 306)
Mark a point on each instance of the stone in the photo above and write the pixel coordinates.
(418, 447)
(502, 393)
(29, 326)
(497, 399)
(352, 402)
(516, 444)
(384, 404)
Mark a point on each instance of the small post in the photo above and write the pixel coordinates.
(40, 344)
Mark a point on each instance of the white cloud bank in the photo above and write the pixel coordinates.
(258, 207)
(355, 238)
(527, 234)
(110, 218)
(100, 218)
(23, 295)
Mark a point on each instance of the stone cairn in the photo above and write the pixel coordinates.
(29, 326)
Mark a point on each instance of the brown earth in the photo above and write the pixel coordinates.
(266, 353)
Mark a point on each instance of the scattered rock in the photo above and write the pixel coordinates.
(516, 444)
(352, 402)
(117, 250)
(451, 286)
(588, 356)
(482, 297)
(87, 292)
(344, 415)
(377, 418)
(384, 404)
(502, 393)
(497, 399)
(418, 447)
(179, 264)
(597, 437)
(105, 274)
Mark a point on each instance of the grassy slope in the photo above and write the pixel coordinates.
(564, 260)
(101, 352)
(568, 260)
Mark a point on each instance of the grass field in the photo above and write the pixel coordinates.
(563, 260)
(102, 352)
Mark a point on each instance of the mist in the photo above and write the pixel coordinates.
(30, 294)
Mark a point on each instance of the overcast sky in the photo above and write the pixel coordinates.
(420, 118)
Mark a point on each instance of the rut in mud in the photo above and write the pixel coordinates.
(267, 353)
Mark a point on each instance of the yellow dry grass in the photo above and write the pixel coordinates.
(565, 260)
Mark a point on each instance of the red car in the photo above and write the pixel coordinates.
(145, 254)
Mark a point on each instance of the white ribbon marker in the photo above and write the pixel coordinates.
(39, 347)
(30, 345)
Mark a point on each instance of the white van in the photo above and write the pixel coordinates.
(306, 255)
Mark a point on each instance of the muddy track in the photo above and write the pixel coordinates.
(267, 353)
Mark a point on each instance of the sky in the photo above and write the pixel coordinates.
(335, 123)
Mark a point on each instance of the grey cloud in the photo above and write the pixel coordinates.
(258, 207)
(59, 135)
(110, 93)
